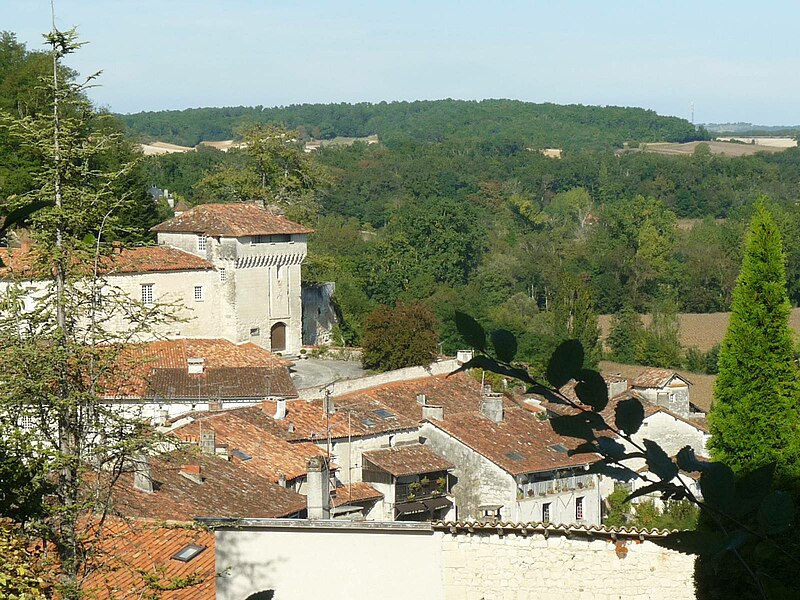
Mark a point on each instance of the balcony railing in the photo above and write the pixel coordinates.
(555, 486)
(419, 489)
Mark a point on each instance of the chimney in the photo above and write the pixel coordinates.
(290, 428)
(142, 476)
(492, 406)
(280, 409)
(616, 386)
(282, 480)
(208, 442)
(429, 411)
(117, 246)
(318, 496)
(192, 473)
(195, 365)
(464, 356)
(422, 399)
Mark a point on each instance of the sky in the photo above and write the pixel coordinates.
(733, 61)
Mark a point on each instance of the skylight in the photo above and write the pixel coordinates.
(240, 454)
(187, 553)
(560, 448)
(516, 456)
(368, 422)
(384, 414)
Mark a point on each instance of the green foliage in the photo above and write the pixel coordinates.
(756, 395)
(681, 515)
(23, 574)
(399, 337)
(626, 336)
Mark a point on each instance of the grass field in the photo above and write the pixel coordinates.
(726, 148)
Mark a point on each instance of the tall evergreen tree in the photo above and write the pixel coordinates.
(754, 420)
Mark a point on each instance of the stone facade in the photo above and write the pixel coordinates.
(319, 316)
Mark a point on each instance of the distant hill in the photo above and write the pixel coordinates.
(498, 122)
(750, 129)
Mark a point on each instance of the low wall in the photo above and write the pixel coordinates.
(339, 388)
(444, 561)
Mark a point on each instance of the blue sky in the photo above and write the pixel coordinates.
(737, 61)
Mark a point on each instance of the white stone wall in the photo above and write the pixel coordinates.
(348, 454)
(397, 561)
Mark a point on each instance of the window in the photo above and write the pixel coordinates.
(255, 331)
(201, 242)
(187, 553)
(546, 512)
(198, 293)
(222, 275)
(579, 508)
(147, 293)
(270, 239)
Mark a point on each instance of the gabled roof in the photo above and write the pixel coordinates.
(132, 550)
(22, 264)
(269, 455)
(352, 419)
(455, 393)
(230, 220)
(226, 491)
(160, 369)
(407, 460)
(656, 378)
(521, 443)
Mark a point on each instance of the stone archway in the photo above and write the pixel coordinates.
(277, 337)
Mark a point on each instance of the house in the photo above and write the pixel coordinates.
(184, 484)
(414, 481)
(164, 379)
(139, 558)
(665, 387)
(509, 464)
(227, 271)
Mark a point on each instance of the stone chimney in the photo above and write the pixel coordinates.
(429, 411)
(192, 473)
(280, 409)
(208, 442)
(492, 406)
(142, 475)
(318, 483)
(616, 386)
(422, 399)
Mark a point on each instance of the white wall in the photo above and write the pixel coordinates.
(301, 560)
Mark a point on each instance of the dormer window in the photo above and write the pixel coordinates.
(201, 242)
(195, 365)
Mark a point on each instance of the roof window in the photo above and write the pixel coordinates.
(188, 552)
(515, 456)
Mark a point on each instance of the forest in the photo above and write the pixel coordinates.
(456, 208)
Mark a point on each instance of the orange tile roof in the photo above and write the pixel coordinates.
(229, 371)
(226, 491)
(131, 552)
(230, 220)
(655, 378)
(455, 393)
(354, 418)
(407, 460)
(521, 443)
(270, 455)
(358, 491)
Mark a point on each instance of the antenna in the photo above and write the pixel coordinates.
(692, 108)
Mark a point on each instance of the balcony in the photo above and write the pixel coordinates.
(424, 488)
(533, 489)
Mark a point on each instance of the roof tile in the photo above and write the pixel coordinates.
(230, 220)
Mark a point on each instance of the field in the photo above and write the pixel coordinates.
(726, 148)
(701, 330)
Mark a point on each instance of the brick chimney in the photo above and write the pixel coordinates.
(318, 497)
(142, 475)
(192, 473)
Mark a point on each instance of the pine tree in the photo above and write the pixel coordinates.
(754, 419)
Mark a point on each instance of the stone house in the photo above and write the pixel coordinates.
(666, 388)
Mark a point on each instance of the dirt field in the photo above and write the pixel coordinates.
(701, 330)
(726, 148)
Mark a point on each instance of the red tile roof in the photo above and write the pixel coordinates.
(407, 460)
(229, 371)
(230, 220)
(521, 443)
(132, 553)
(455, 393)
(655, 378)
(270, 455)
(144, 259)
(358, 491)
(226, 491)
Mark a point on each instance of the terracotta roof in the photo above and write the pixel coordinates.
(547, 528)
(143, 259)
(455, 393)
(160, 369)
(358, 491)
(226, 491)
(407, 460)
(521, 443)
(354, 418)
(269, 455)
(655, 378)
(230, 220)
(129, 550)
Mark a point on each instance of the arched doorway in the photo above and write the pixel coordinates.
(277, 337)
